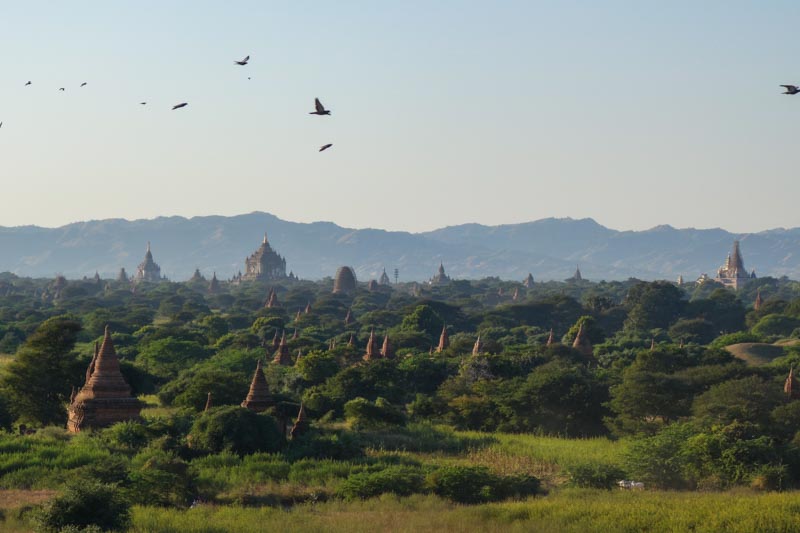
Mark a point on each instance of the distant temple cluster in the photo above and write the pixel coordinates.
(732, 273)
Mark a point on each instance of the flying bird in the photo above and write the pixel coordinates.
(61, 89)
(320, 108)
(178, 106)
(142, 103)
(325, 147)
(83, 84)
(243, 61)
(791, 89)
(27, 84)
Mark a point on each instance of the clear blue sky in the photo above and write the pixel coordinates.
(634, 113)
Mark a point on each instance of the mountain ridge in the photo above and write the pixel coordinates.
(550, 248)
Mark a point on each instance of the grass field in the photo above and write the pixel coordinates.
(569, 510)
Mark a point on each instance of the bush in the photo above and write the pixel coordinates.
(339, 446)
(128, 435)
(361, 413)
(594, 475)
(236, 429)
(160, 478)
(84, 504)
(400, 480)
(476, 484)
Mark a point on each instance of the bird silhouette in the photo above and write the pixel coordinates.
(791, 89)
(243, 61)
(61, 89)
(178, 106)
(83, 84)
(142, 103)
(325, 147)
(27, 84)
(320, 109)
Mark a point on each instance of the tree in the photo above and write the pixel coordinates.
(84, 504)
(653, 305)
(749, 399)
(39, 380)
(235, 429)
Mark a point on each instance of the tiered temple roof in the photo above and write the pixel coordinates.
(440, 278)
(148, 270)
(258, 398)
(733, 273)
(264, 264)
(105, 398)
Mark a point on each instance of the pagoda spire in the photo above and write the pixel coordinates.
(348, 318)
(372, 347)
(790, 386)
(282, 353)
(758, 303)
(386, 349)
(582, 343)
(477, 348)
(294, 335)
(308, 308)
(258, 398)
(444, 340)
(106, 397)
(208, 403)
(300, 424)
(652, 344)
(551, 339)
(351, 341)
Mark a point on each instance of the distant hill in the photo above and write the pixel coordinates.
(548, 248)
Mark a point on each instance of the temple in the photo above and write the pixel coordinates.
(345, 281)
(384, 279)
(791, 387)
(373, 351)
(528, 282)
(582, 343)
(444, 340)
(477, 348)
(105, 397)
(213, 285)
(264, 264)
(148, 270)
(577, 276)
(258, 398)
(282, 353)
(387, 352)
(440, 278)
(732, 273)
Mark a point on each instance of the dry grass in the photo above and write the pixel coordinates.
(14, 499)
(755, 353)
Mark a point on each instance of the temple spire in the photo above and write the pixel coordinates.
(758, 303)
(477, 348)
(258, 398)
(582, 343)
(300, 424)
(282, 353)
(790, 386)
(372, 347)
(208, 403)
(348, 318)
(386, 350)
(551, 339)
(444, 340)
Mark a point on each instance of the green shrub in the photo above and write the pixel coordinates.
(361, 413)
(128, 435)
(463, 484)
(400, 480)
(160, 478)
(84, 504)
(339, 445)
(594, 475)
(235, 429)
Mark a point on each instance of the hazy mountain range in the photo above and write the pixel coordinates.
(548, 248)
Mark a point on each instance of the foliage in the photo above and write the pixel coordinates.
(235, 429)
(400, 480)
(83, 504)
(361, 413)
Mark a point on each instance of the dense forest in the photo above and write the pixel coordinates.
(687, 383)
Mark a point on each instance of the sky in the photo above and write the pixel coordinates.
(635, 113)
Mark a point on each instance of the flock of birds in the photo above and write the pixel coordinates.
(319, 109)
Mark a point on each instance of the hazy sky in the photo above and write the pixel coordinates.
(634, 113)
